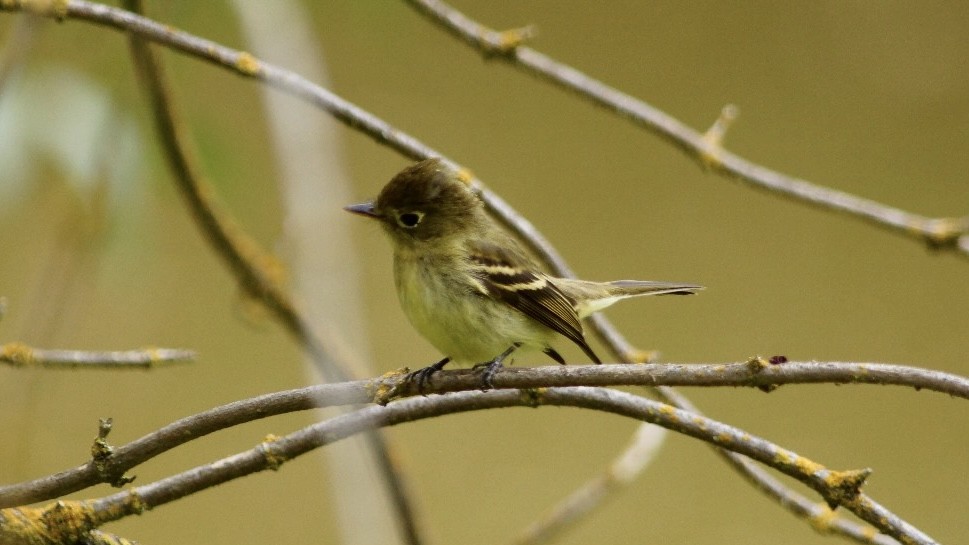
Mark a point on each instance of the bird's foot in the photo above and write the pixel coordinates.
(422, 375)
(490, 368)
(493, 366)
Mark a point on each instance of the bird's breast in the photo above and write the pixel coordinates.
(450, 308)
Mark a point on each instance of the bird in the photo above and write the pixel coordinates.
(469, 287)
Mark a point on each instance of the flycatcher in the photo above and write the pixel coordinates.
(470, 288)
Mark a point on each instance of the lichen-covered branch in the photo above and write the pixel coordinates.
(837, 488)
(126, 457)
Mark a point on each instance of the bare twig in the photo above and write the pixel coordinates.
(255, 269)
(754, 373)
(942, 233)
(21, 355)
(640, 452)
(124, 458)
(838, 488)
(821, 517)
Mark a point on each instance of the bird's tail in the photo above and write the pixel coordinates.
(591, 297)
(632, 288)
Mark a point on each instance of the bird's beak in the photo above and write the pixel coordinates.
(363, 209)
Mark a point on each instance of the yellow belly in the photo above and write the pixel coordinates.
(454, 315)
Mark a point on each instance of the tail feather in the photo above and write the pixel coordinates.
(591, 297)
(631, 288)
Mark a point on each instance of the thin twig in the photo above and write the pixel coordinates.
(838, 488)
(21, 355)
(821, 517)
(254, 268)
(941, 233)
(591, 494)
(126, 457)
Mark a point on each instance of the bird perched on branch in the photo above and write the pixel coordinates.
(469, 288)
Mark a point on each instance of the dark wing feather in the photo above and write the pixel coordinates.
(510, 277)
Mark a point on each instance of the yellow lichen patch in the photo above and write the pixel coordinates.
(870, 533)
(383, 390)
(723, 438)
(943, 232)
(532, 397)
(802, 464)
(136, 504)
(807, 466)
(757, 364)
(670, 412)
(274, 460)
(822, 520)
(641, 356)
(399, 372)
(132, 505)
(850, 480)
(58, 522)
(712, 152)
(18, 354)
(383, 393)
(22, 525)
(465, 175)
(512, 38)
(247, 64)
(154, 355)
(68, 521)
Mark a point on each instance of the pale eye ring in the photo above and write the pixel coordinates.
(409, 220)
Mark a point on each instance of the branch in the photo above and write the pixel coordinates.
(821, 517)
(838, 488)
(21, 355)
(255, 270)
(754, 373)
(124, 458)
(640, 452)
(940, 233)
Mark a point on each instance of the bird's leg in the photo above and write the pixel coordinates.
(422, 375)
(550, 352)
(492, 367)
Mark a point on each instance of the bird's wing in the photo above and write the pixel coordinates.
(509, 276)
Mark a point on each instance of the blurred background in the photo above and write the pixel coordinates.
(100, 253)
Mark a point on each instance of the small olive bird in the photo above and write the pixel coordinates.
(469, 288)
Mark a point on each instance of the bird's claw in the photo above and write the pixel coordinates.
(490, 368)
(422, 375)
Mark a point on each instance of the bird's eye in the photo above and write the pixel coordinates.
(409, 220)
